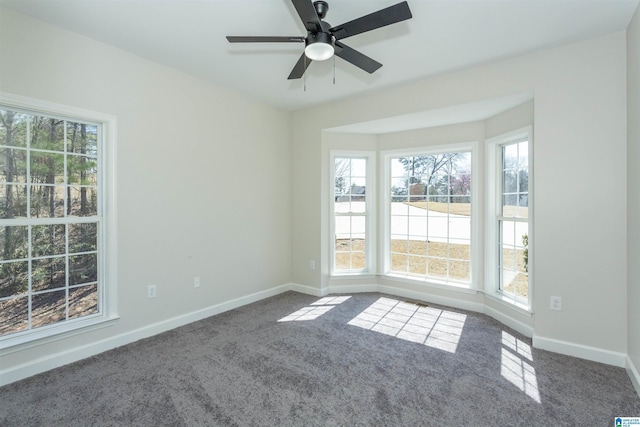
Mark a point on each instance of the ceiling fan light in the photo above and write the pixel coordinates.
(319, 46)
(319, 51)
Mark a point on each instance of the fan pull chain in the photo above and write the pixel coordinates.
(304, 75)
(334, 70)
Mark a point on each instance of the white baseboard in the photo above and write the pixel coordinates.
(75, 354)
(633, 374)
(581, 351)
(509, 321)
(308, 290)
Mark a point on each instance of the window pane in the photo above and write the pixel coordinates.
(439, 249)
(47, 168)
(459, 228)
(461, 184)
(82, 170)
(398, 169)
(523, 180)
(83, 269)
(400, 226)
(358, 227)
(417, 265)
(509, 181)
(510, 156)
(417, 192)
(83, 237)
(343, 260)
(460, 249)
(47, 134)
(438, 226)
(398, 262)
(84, 201)
(14, 315)
(13, 201)
(514, 258)
(357, 261)
(82, 138)
(343, 227)
(47, 201)
(510, 205)
(399, 244)
(48, 273)
(523, 155)
(13, 165)
(359, 168)
(14, 242)
(437, 267)
(48, 308)
(460, 270)
(417, 247)
(14, 278)
(342, 204)
(14, 134)
(83, 301)
(418, 227)
(47, 240)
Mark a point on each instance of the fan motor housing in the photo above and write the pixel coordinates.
(322, 7)
(319, 38)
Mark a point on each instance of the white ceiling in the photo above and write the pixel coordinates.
(444, 35)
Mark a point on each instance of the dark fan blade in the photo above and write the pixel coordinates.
(264, 39)
(308, 14)
(300, 67)
(356, 58)
(381, 18)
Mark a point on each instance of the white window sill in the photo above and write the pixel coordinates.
(511, 303)
(451, 286)
(47, 334)
(348, 276)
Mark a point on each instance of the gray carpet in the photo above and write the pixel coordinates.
(368, 360)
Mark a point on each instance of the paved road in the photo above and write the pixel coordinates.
(414, 223)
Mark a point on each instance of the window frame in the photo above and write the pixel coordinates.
(385, 176)
(369, 214)
(107, 259)
(494, 217)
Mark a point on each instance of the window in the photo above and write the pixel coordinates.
(429, 215)
(352, 219)
(509, 204)
(513, 224)
(52, 222)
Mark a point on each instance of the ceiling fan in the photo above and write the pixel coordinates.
(323, 40)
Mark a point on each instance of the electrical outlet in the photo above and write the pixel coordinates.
(196, 282)
(312, 265)
(151, 291)
(556, 304)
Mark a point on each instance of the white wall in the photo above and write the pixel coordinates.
(204, 175)
(633, 197)
(580, 172)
